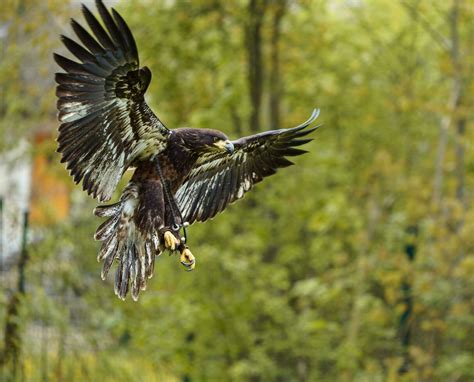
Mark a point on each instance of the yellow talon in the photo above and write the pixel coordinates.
(188, 259)
(170, 240)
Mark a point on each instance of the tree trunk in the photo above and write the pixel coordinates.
(275, 76)
(460, 120)
(452, 118)
(253, 43)
(360, 276)
(446, 122)
(12, 337)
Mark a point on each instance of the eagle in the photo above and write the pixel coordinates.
(181, 175)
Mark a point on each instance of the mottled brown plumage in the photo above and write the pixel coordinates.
(180, 175)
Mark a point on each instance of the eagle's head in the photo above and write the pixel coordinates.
(207, 140)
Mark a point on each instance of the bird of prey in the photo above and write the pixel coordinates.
(181, 175)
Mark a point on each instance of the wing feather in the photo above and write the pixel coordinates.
(218, 180)
(105, 121)
(86, 38)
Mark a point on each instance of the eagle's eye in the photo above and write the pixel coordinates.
(215, 139)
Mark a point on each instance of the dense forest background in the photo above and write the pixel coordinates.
(354, 265)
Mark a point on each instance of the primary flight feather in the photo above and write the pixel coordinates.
(181, 175)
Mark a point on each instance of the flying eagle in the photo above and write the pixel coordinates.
(180, 176)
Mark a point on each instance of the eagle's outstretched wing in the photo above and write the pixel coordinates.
(105, 121)
(220, 179)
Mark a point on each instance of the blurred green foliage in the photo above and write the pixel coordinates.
(305, 279)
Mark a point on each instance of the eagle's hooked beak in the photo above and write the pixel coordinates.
(225, 145)
(229, 146)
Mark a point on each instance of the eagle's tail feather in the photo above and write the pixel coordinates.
(122, 240)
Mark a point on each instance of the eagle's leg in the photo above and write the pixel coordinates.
(170, 232)
(173, 218)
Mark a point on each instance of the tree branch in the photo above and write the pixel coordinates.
(442, 41)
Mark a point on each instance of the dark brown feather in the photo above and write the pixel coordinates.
(103, 115)
(216, 181)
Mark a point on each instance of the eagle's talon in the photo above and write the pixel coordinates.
(170, 240)
(188, 259)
